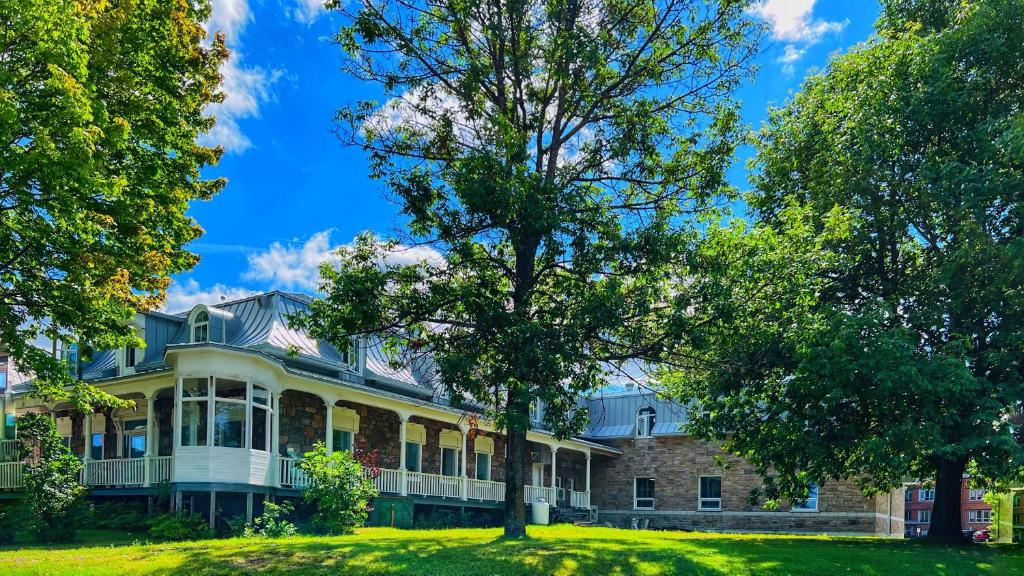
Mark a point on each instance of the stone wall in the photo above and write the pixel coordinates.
(379, 429)
(303, 422)
(676, 464)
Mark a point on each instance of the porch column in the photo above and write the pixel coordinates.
(275, 438)
(177, 415)
(87, 432)
(587, 485)
(150, 425)
(554, 472)
(402, 471)
(465, 473)
(247, 437)
(329, 437)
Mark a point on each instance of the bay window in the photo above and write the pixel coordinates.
(227, 413)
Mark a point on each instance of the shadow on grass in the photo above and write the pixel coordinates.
(587, 555)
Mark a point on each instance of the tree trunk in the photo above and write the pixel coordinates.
(945, 524)
(515, 506)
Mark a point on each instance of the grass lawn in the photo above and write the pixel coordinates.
(549, 550)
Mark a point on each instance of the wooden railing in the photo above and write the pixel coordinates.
(579, 499)
(159, 469)
(118, 472)
(289, 474)
(11, 475)
(387, 480)
(535, 493)
(9, 450)
(433, 485)
(486, 491)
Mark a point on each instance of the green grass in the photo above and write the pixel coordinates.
(549, 550)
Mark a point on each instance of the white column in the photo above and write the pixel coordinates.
(247, 432)
(554, 472)
(150, 425)
(588, 474)
(402, 471)
(211, 393)
(87, 432)
(329, 438)
(176, 443)
(465, 472)
(275, 438)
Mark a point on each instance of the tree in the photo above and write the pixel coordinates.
(896, 352)
(100, 107)
(339, 489)
(555, 153)
(53, 493)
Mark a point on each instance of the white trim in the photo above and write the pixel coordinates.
(647, 415)
(701, 498)
(805, 508)
(652, 498)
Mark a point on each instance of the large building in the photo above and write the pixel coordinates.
(227, 397)
(975, 512)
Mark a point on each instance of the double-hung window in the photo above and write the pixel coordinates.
(413, 456)
(811, 503)
(926, 495)
(976, 495)
(483, 466)
(229, 413)
(449, 462)
(643, 493)
(710, 493)
(195, 401)
(924, 516)
(645, 419)
(134, 439)
(978, 516)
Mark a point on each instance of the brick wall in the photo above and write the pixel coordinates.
(677, 462)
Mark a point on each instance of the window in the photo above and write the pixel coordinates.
(483, 466)
(908, 495)
(413, 453)
(10, 426)
(643, 493)
(70, 356)
(201, 327)
(926, 495)
(129, 356)
(342, 441)
(449, 462)
(645, 422)
(229, 413)
(710, 494)
(978, 516)
(908, 515)
(349, 355)
(924, 516)
(811, 503)
(260, 419)
(976, 495)
(536, 412)
(96, 446)
(134, 439)
(194, 411)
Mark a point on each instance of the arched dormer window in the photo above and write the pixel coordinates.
(201, 327)
(645, 418)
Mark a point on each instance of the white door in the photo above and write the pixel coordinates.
(537, 478)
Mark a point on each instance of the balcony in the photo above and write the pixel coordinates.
(389, 482)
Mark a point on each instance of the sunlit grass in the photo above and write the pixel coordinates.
(561, 550)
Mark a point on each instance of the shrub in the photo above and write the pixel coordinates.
(338, 489)
(179, 526)
(132, 516)
(270, 524)
(13, 519)
(53, 494)
(442, 518)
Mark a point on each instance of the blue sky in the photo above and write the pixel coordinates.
(294, 192)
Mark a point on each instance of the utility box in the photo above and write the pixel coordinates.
(396, 512)
(540, 512)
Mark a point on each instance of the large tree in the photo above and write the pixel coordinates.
(100, 107)
(898, 350)
(554, 153)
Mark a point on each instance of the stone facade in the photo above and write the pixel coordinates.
(676, 463)
(303, 422)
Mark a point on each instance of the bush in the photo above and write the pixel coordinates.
(338, 489)
(441, 518)
(179, 526)
(131, 516)
(270, 524)
(53, 494)
(13, 519)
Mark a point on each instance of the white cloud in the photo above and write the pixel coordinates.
(297, 266)
(306, 11)
(245, 88)
(181, 297)
(791, 21)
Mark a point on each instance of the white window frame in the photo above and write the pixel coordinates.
(978, 516)
(419, 457)
(440, 465)
(811, 504)
(926, 495)
(646, 418)
(341, 432)
(708, 503)
(636, 505)
(924, 516)
(196, 323)
(976, 495)
(477, 468)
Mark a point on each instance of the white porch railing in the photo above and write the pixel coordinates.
(290, 476)
(534, 493)
(486, 490)
(11, 475)
(159, 469)
(118, 472)
(8, 450)
(388, 480)
(433, 485)
(579, 499)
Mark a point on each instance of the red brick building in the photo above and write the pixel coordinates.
(975, 513)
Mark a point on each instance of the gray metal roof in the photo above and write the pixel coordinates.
(613, 412)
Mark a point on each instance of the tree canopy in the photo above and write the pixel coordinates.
(555, 154)
(897, 350)
(100, 107)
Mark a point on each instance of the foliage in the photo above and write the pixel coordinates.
(272, 524)
(100, 107)
(53, 493)
(338, 488)
(550, 158)
(115, 515)
(893, 347)
(565, 550)
(178, 526)
(14, 519)
(442, 518)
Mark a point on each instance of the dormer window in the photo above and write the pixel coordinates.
(645, 419)
(348, 354)
(201, 327)
(129, 356)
